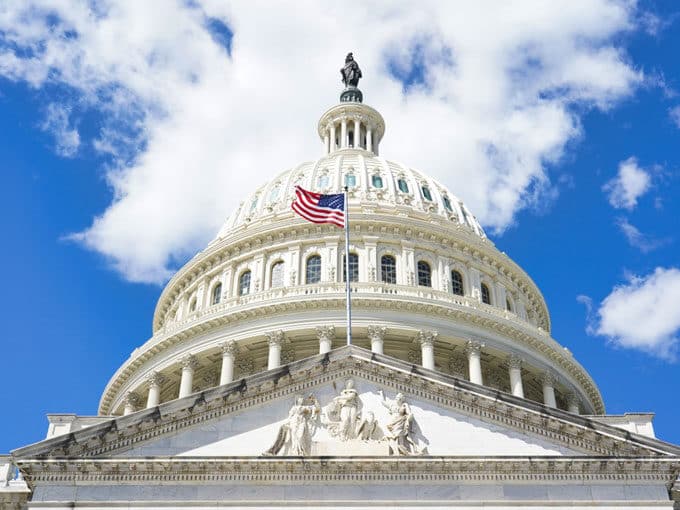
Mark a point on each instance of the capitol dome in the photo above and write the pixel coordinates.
(428, 288)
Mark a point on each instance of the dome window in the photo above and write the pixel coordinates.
(322, 181)
(486, 295)
(313, 269)
(447, 203)
(426, 193)
(350, 180)
(353, 268)
(277, 275)
(388, 269)
(244, 284)
(274, 193)
(424, 274)
(253, 204)
(192, 304)
(216, 294)
(508, 305)
(377, 181)
(457, 283)
(403, 185)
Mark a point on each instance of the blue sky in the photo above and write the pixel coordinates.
(558, 129)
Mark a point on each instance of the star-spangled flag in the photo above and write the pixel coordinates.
(319, 208)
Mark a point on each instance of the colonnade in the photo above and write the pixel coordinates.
(325, 335)
(347, 125)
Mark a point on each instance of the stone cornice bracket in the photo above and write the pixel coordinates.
(514, 361)
(549, 378)
(326, 332)
(376, 332)
(155, 378)
(473, 347)
(275, 337)
(426, 337)
(229, 348)
(189, 361)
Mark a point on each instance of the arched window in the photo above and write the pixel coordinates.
(388, 269)
(486, 295)
(277, 275)
(457, 283)
(424, 274)
(253, 204)
(322, 181)
(350, 180)
(403, 185)
(313, 269)
(508, 305)
(353, 268)
(274, 193)
(192, 304)
(426, 193)
(216, 294)
(244, 283)
(377, 181)
(447, 203)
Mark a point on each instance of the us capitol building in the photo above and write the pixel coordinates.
(452, 394)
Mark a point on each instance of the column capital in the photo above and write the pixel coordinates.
(131, 399)
(155, 378)
(229, 348)
(426, 337)
(548, 378)
(275, 337)
(325, 332)
(515, 361)
(473, 347)
(376, 332)
(189, 361)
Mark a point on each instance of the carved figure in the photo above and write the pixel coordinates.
(400, 431)
(350, 72)
(368, 428)
(343, 412)
(298, 431)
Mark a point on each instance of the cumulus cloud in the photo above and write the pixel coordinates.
(204, 101)
(641, 314)
(674, 114)
(643, 242)
(630, 183)
(57, 123)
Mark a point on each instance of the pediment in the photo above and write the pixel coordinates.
(440, 416)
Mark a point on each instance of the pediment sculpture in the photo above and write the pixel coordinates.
(347, 426)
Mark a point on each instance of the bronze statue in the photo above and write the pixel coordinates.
(350, 72)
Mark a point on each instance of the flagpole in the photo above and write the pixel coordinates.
(347, 275)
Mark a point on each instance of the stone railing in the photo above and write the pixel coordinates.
(11, 480)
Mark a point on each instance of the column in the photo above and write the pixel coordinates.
(229, 349)
(573, 402)
(548, 381)
(515, 369)
(357, 133)
(326, 335)
(376, 335)
(326, 143)
(369, 139)
(333, 146)
(275, 339)
(130, 402)
(473, 350)
(426, 340)
(186, 384)
(155, 380)
(343, 134)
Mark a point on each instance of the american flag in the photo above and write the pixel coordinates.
(319, 208)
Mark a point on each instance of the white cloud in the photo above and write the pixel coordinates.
(674, 114)
(628, 186)
(192, 130)
(637, 239)
(57, 123)
(642, 314)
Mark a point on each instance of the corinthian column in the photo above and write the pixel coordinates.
(130, 402)
(548, 381)
(155, 380)
(326, 335)
(186, 384)
(229, 349)
(515, 370)
(275, 339)
(376, 335)
(473, 350)
(426, 340)
(573, 402)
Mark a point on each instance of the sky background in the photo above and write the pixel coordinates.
(130, 130)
